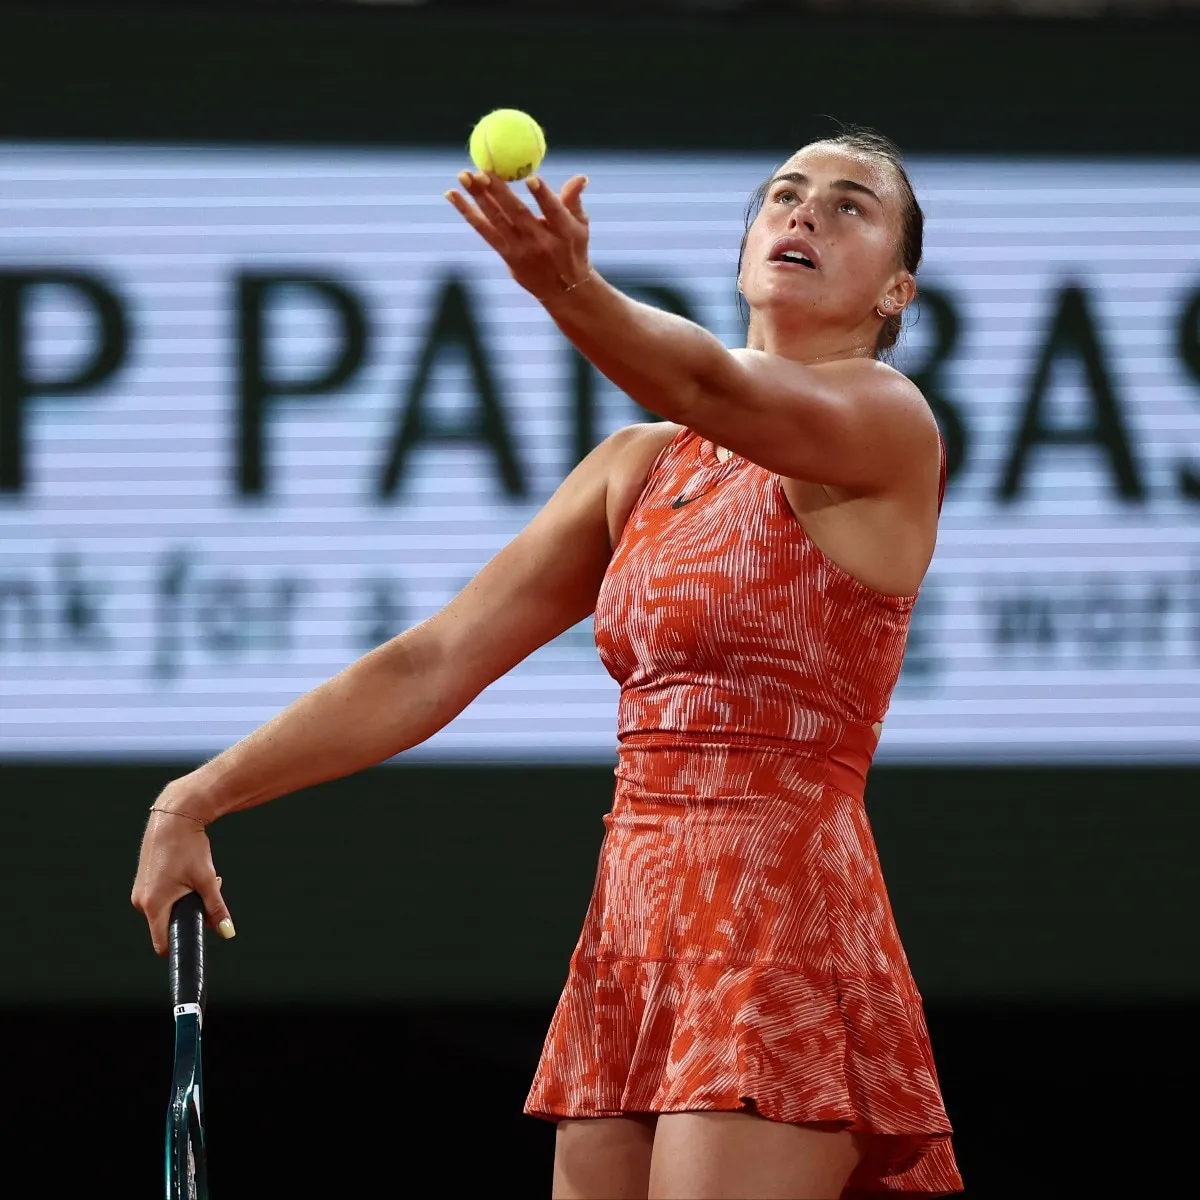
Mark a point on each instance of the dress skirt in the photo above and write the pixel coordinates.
(740, 953)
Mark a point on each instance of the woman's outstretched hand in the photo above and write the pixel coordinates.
(547, 254)
(175, 859)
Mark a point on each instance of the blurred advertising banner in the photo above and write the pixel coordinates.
(262, 409)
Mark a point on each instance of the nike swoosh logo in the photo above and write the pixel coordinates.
(680, 501)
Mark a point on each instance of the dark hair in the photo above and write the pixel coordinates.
(868, 142)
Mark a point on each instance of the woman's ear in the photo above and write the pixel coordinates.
(900, 294)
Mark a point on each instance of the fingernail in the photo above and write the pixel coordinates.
(225, 929)
(484, 179)
(586, 181)
(464, 177)
(533, 183)
(449, 195)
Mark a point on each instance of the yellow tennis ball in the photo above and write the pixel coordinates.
(509, 143)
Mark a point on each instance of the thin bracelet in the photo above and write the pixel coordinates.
(579, 284)
(172, 813)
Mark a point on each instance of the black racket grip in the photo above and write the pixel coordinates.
(186, 961)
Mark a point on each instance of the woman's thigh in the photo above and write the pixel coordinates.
(603, 1158)
(728, 1155)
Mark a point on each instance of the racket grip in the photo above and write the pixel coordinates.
(186, 961)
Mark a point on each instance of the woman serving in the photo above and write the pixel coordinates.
(739, 1018)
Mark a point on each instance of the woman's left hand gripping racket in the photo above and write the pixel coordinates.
(187, 1177)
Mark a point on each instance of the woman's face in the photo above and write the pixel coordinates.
(823, 248)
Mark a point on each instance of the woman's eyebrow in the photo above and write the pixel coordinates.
(840, 185)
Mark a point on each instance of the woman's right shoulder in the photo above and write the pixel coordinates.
(636, 448)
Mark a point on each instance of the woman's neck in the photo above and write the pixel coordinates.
(812, 348)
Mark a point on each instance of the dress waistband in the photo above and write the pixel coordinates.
(845, 759)
(850, 757)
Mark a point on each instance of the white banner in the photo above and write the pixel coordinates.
(259, 410)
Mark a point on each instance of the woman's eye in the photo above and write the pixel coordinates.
(785, 194)
(849, 206)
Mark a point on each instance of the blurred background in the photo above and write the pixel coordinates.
(264, 402)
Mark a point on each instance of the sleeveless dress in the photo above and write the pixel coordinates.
(739, 951)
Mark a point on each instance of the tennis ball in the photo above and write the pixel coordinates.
(509, 143)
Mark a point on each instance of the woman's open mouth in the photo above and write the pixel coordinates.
(795, 252)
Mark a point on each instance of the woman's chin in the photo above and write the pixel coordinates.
(784, 309)
(789, 289)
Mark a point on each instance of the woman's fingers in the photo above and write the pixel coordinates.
(509, 217)
(478, 221)
(157, 911)
(572, 197)
(561, 222)
(159, 919)
(214, 906)
(492, 194)
(476, 185)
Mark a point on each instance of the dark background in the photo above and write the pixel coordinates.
(403, 934)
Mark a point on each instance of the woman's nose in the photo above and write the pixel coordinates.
(803, 216)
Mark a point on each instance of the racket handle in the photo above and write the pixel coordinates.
(186, 962)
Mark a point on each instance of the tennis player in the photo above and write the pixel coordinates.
(739, 1017)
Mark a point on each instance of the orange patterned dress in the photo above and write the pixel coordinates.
(739, 951)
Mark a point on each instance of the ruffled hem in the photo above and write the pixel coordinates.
(663, 1036)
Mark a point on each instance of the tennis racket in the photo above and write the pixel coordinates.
(186, 1174)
